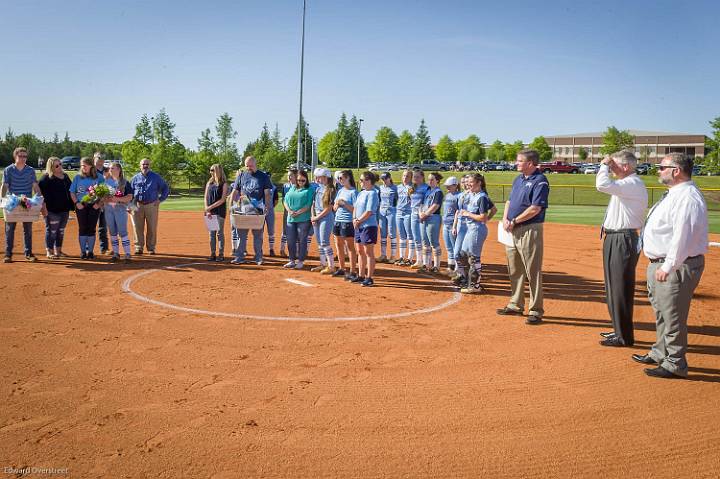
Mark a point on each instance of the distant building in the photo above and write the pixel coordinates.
(650, 146)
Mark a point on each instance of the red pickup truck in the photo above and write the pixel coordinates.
(558, 167)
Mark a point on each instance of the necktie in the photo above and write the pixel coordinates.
(652, 210)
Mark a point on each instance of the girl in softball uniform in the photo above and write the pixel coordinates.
(478, 211)
(450, 207)
(417, 191)
(460, 225)
(388, 218)
(116, 215)
(403, 214)
(323, 219)
(344, 232)
(431, 224)
(366, 227)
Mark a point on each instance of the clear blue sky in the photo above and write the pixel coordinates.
(508, 70)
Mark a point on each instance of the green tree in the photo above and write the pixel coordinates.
(421, 148)
(199, 162)
(471, 141)
(512, 149)
(143, 131)
(132, 152)
(405, 144)
(445, 150)
(385, 148)
(163, 130)
(293, 145)
(225, 145)
(711, 163)
(340, 153)
(540, 144)
(496, 152)
(325, 145)
(614, 140)
(583, 154)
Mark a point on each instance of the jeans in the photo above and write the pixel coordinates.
(475, 239)
(270, 222)
(449, 240)
(116, 220)
(431, 232)
(388, 223)
(218, 237)
(55, 229)
(403, 226)
(257, 243)
(10, 238)
(297, 234)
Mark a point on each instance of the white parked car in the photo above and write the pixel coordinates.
(591, 170)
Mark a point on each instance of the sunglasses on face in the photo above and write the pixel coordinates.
(665, 167)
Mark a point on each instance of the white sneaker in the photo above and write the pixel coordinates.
(289, 264)
(299, 265)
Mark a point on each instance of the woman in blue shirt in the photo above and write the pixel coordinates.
(366, 227)
(403, 214)
(387, 218)
(343, 229)
(450, 207)
(87, 212)
(297, 203)
(478, 211)
(431, 224)
(459, 229)
(323, 219)
(417, 191)
(116, 215)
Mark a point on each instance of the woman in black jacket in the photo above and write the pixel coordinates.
(54, 186)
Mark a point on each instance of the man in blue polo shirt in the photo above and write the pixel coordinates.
(523, 218)
(257, 187)
(149, 190)
(19, 179)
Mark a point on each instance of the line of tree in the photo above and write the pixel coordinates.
(43, 149)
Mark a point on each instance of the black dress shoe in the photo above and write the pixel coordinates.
(509, 312)
(608, 335)
(643, 358)
(660, 372)
(613, 341)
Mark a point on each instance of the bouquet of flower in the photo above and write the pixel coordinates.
(12, 201)
(96, 193)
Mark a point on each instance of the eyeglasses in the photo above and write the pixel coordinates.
(665, 167)
(57, 165)
(302, 181)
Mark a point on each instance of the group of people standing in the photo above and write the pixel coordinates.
(97, 216)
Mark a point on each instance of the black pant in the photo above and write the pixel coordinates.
(620, 258)
(102, 230)
(87, 220)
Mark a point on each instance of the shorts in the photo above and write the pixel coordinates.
(366, 235)
(343, 229)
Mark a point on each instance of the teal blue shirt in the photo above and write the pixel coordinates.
(297, 199)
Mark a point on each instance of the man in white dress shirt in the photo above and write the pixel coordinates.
(675, 239)
(624, 217)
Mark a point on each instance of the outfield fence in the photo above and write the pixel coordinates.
(585, 195)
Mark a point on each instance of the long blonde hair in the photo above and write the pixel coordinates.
(218, 175)
(49, 165)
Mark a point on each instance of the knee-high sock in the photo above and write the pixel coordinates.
(402, 249)
(329, 257)
(115, 244)
(271, 241)
(418, 254)
(427, 260)
(383, 246)
(283, 242)
(393, 247)
(321, 254)
(436, 257)
(411, 250)
(126, 244)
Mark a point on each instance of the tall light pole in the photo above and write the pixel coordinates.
(307, 126)
(302, 68)
(358, 142)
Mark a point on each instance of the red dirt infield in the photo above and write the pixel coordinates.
(106, 385)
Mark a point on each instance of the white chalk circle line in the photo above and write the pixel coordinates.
(127, 288)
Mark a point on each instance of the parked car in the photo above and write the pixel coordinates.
(70, 162)
(591, 170)
(643, 168)
(558, 167)
(430, 165)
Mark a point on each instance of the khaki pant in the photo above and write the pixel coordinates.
(525, 262)
(670, 300)
(146, 214)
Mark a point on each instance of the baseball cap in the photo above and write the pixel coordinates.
(385, 176)
(319, 172)
(452, 180)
